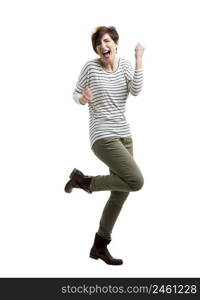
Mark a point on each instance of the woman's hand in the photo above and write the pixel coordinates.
(139, 51)
(86, 96)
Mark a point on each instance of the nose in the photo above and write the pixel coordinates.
(102, 45)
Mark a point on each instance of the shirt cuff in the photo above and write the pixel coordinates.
(76, 97)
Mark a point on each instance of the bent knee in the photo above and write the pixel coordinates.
(137, 183)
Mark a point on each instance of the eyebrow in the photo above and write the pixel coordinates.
(99, 42)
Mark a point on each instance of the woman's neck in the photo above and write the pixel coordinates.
(110, 66)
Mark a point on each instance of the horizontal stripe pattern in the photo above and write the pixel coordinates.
(110, 91)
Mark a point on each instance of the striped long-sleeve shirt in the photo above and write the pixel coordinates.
(110, 91)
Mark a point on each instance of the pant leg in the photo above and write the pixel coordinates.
(115, 202)
(127, 176)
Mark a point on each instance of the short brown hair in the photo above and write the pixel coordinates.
(100, 31)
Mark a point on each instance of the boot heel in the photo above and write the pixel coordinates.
(73, 172)
(87, 190)
(94, 257)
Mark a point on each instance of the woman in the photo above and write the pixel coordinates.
(104, 84)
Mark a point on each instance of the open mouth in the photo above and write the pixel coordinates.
(106, 53)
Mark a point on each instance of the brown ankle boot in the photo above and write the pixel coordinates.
(99, 250)
(78, 180)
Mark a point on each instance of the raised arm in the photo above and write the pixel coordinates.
(135, 76)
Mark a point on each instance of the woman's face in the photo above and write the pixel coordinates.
(106, 48)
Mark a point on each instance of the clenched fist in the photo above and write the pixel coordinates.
(139, 50)
(86, 96)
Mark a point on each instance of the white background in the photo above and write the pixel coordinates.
(44, 135)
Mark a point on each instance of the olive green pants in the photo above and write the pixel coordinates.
(125, 177)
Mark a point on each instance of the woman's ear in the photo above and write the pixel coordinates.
(117, 44)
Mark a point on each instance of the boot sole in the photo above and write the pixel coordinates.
(96, 257)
